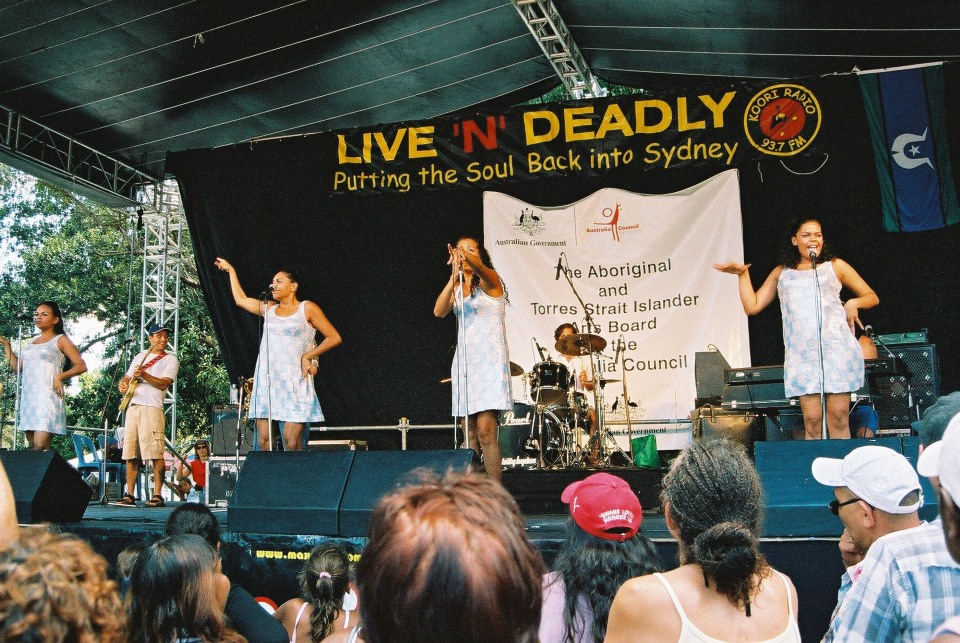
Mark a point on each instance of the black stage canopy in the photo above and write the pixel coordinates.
(137, 79)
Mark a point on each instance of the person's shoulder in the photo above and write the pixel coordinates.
(648, 589)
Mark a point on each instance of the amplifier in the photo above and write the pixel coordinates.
(223, 434)
(755, 374)
(222, 474)
(893, 394)
(918, 337)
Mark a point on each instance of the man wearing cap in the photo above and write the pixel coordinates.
(150, 374)
(941, 463)
(896, 593)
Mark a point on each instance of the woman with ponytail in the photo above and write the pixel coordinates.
(723, 589)
(327, 597)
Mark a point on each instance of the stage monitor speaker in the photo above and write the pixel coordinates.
(292, 492)
(223, 434)
(375, 473)
(45, 487)
(891, 396)
(709, 369)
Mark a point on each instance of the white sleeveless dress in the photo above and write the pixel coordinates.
(286, 395)
(842, 357)
(484, 382)
(41, 409)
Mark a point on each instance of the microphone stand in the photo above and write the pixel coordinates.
(462, 361)
(17, 389)
(824, 434)
(105, 421)
(265, 297)
(240, 393)
(599, 438)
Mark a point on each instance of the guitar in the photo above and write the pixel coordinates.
(132, 385)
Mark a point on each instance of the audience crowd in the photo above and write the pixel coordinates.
(448, 559)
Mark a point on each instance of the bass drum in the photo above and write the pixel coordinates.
(514, 430)
(547, 429)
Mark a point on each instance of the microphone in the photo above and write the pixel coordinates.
(868, 331)
(813, 256)
(559, 263)
(539, 350)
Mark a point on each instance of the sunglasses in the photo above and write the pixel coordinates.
(203, 446)
(836, 504)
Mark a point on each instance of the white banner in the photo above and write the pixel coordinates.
(642, 265)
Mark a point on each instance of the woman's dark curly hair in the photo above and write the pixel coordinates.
(790, 255)
(593, 570)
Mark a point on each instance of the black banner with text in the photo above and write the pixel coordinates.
(722, 128)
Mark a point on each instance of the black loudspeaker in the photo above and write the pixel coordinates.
(891, 396)
(709, 369)
(292, 492)
(45, 487)
(223, 435)
(375, 473)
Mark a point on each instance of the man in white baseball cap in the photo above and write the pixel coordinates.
(941, 463)
(897, 592)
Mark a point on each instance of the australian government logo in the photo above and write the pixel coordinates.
(531, 223)
(782, 120)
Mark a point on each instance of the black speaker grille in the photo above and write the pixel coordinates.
(891, 394)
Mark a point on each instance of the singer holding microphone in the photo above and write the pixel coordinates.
(283, 387)
(795, 282)
(480, 374)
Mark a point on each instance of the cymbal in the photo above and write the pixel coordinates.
(604, 380)
(515, 369)
(581, 344)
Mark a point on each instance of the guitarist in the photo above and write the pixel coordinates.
(151, 373)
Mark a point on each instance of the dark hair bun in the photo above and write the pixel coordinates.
(728, 554)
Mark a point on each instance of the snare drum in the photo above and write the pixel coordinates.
(550, 383)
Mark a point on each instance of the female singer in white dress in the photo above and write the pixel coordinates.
(480, 374)
(42, 409)
(283, 387)
(793, 280)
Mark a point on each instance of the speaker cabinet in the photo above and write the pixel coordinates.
(290, 492)
(325, 493)
(45, 487)
(375, 473)
(223, 434)
(891, 393)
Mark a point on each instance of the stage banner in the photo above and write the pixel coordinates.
(642, 266)
(720, 127)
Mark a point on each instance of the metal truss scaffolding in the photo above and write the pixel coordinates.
(551, 32)
(162, 260)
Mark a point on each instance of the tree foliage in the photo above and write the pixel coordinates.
(88, 258)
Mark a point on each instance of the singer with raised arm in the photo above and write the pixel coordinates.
(480, 374)
(283, 388)
(805, 264)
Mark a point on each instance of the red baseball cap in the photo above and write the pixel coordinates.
(604, 506)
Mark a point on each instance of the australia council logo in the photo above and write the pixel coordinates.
(782, 120)
(529, 222)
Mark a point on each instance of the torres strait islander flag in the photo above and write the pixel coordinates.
(905, 110)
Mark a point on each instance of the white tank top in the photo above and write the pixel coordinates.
(690, 633)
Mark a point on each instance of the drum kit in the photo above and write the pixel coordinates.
(552, 425)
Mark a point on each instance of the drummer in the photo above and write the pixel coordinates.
(579, 368)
